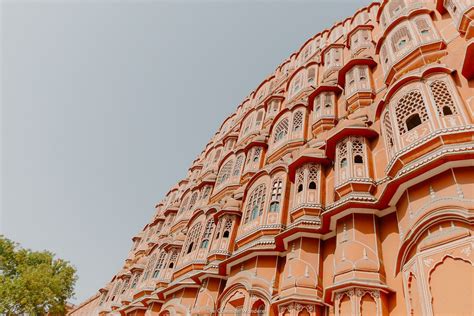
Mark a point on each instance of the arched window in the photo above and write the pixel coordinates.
(342, 157)
(255, 203)
(207, 234)
(350, 157)
(238, 165)
(328, 102)
(227, 227)
(172, 260)
(400, 39)
(426, 33)
(184, 205)
(192, 239)
(224, 173)
(125, 286)
(281, 130)
(311, 75)
(151, 263)
(298, 121)
(300, 187)
(395, 7)
(192, 202)
(443, 100)
(256, 153)
(135, 280)
(350, 80)
(317, 106)
(116, 289)
(357, 149)
(410, 111)
(296, 85)
(313, 176)
(205, 192)
(216, 157)
(159, 265)
(363, 73)
(276, 196)
(343, 162)
(259, 119)
(247, 125)
(413, 121)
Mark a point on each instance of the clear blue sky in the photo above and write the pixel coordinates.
(105, 104)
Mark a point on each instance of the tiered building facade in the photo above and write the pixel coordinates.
(343, 185)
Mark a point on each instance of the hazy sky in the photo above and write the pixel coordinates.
(105, 104)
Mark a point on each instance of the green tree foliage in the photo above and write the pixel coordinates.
(33, 282)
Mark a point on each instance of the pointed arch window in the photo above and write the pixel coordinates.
(238, 165)
(207, 233)
(306, 181)
(296, 85)
(424, 29)
(159, 265)
(125, 286)
(395, 7)
(410, 111)
(311, 75)
(193, 200)
(149, 266)
(313, 177)
(259, 119)
(401, 39)
(225, 172)
(317, 106)
(276, 196)
(216, 157)
(172, 261)
(192, 239)
(184, 205)
(351, 159)
(328, 103)
(206, 191)
(443, 99)
(227, 227)
(135, 280)
(255, 204)
(116, 289)
(281, 130)
(298, 121)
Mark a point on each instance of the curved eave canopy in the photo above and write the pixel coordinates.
(341, 79)
(358, 27)
(323, 88)
(351, 129)
(310, 155)
(325, 49)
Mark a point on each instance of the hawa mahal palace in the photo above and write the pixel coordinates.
(342, 185)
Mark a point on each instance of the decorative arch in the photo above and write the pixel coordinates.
(173, 308)
(433, 216)
(452, 270)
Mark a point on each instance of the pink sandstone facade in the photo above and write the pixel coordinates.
(343, 185)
